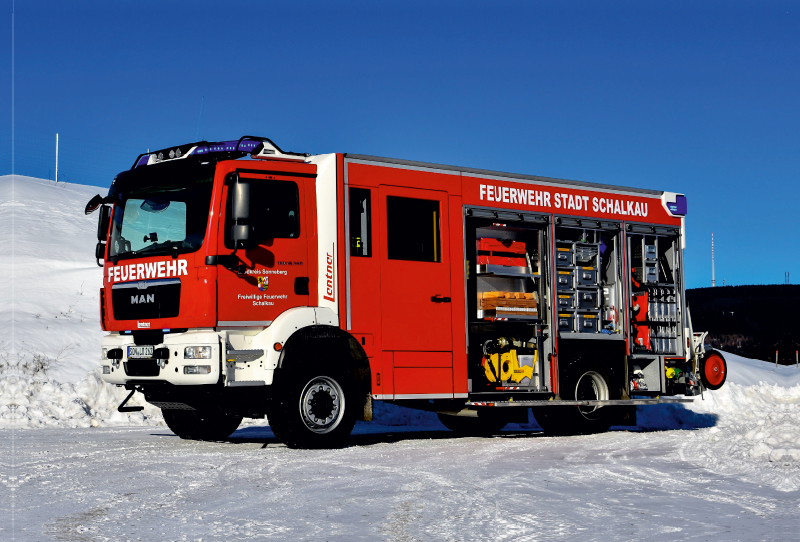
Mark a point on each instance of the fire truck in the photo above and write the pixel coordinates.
(241, 280)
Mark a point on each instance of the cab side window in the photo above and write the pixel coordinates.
(274, 210)
(360, 222)
(412, 229)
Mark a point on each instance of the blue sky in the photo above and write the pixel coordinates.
(693, 97)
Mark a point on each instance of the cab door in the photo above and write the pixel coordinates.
(258, 284)
(415, 298)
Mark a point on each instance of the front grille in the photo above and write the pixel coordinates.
(147, 299)
(142, 367)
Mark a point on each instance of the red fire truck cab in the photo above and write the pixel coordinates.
(240, 280)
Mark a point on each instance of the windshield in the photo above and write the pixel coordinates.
(170, 218)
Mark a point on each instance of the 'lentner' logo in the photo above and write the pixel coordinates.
(330, 292)
(141, 325)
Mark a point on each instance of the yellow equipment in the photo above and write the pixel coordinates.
(506, 368)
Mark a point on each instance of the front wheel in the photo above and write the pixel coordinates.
(316, 411)
(201, 425)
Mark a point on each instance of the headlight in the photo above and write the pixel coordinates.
(197, 369)
(106, 370)
(104, 354)
(197, 352)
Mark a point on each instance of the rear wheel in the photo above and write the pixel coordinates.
(315, 411)
(713, 370)
(578, 420)
(201, 425)
(481, 426)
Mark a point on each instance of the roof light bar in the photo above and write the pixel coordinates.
(253, 145)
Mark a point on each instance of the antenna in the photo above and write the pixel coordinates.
(713, 279)
(56, 158)
(203, 99)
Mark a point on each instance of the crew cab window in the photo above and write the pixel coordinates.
(360, 223)
(412, 229)
(274, 210)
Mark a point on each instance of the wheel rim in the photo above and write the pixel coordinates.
(714, 370)
(591, 386)
(322, 404)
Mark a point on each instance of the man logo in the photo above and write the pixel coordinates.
(141, 299)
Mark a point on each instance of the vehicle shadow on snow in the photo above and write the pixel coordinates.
(664, 417)
(670, 416)
(367, 434)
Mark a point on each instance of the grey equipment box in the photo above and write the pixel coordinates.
(565, 280)
(565, 300)
(586, 276)
(566, 322)
(587, 299)
(588, 323)
(564, 257)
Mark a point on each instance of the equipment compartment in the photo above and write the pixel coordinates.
(656, 323)
(595, 276)
(506, 307)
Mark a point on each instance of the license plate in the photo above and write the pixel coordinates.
(140, 352)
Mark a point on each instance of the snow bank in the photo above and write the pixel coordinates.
(29, 402)
(53, 316)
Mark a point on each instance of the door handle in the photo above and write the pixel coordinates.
(440, 299)
(228, 261)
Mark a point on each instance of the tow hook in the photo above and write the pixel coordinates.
(123, 408)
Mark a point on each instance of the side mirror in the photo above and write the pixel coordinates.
(240, 213)
(100, 251)
(103, 222)
(93, 204)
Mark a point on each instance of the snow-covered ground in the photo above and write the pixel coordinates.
(726, 467)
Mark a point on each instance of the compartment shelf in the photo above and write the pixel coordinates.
(511, 315)
(503, 271)
(601, 336)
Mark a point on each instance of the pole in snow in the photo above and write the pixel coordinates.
(56, 158)
(713, 279)
(796, 359)
(776, 359)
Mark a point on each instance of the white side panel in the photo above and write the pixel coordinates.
(327, 285)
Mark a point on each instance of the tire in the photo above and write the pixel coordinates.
(315, 411)
(578, 420)
(201, 425)
(713, 370)
(482, 426)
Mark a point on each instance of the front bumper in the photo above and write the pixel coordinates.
(173, 370)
